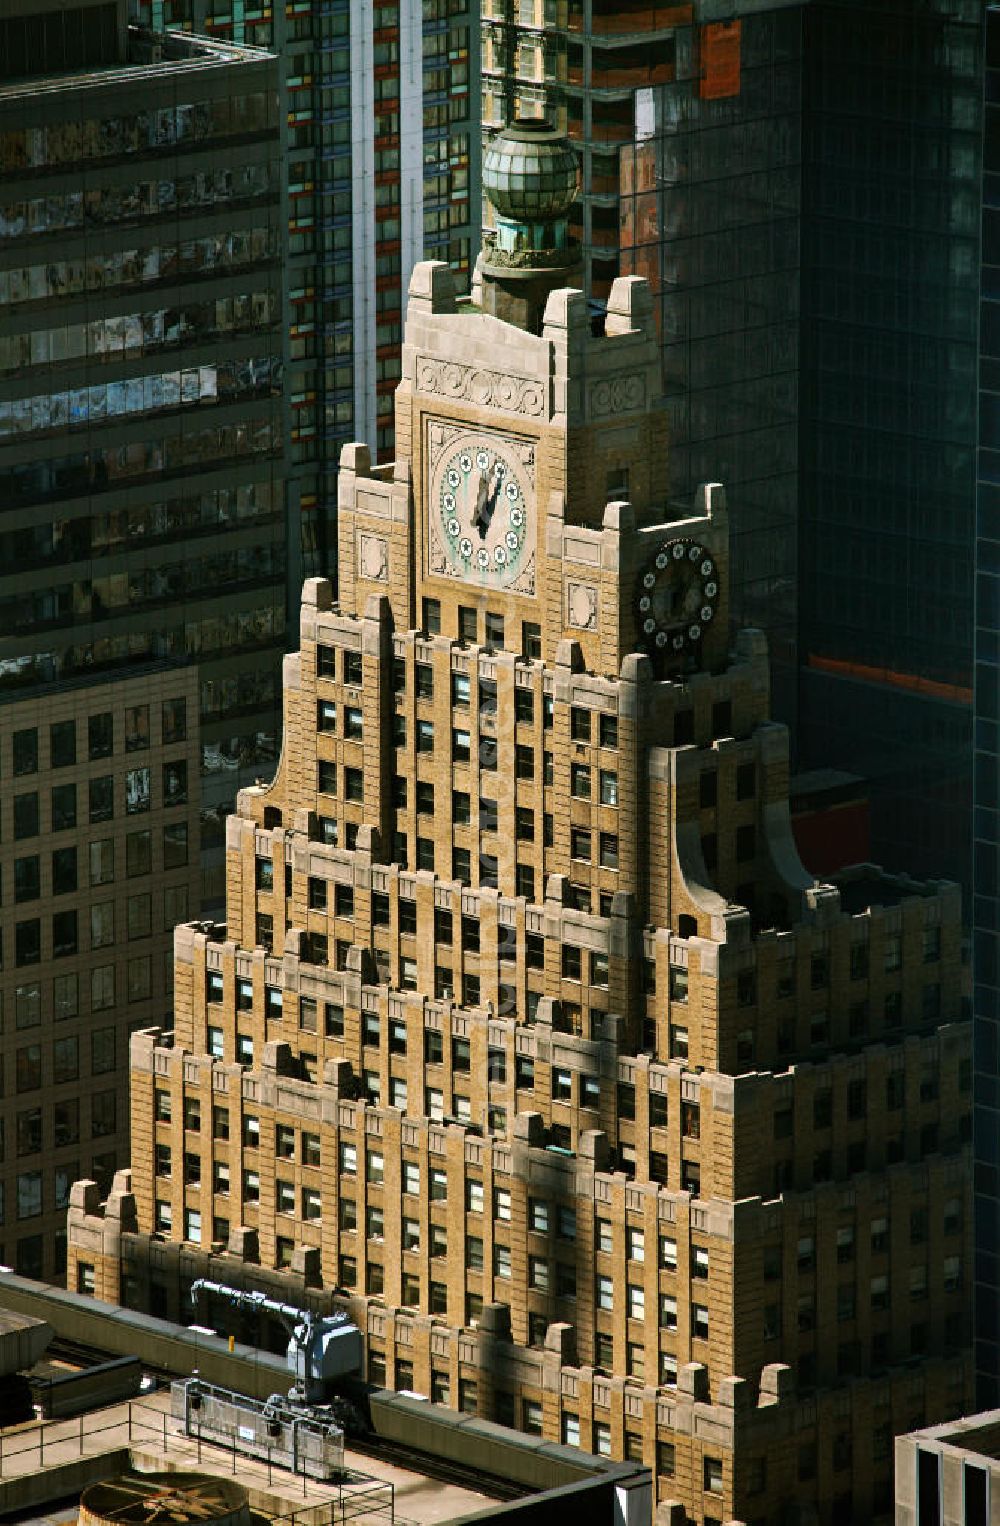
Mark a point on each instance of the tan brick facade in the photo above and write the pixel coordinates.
(99, 858)
(528, 1035)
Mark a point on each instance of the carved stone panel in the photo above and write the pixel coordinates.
(373, 558)
(581, 606)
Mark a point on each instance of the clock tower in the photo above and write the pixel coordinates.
(529, 491)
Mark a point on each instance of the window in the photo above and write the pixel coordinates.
(494, 629)
(501, 1261)
(579, 781)
(425, 736)
(64, 934)
(609, 850)
(580, 843)
(579, 724)
(101, 1050)
(100, 735)
(137, 791)
(571, 962)
(668, 1311)
(25, 748)
(431, 617)
(461, 746)
(101, 798)
(354, 785)
(538, 1273)
(326, 715)
(636, 1301)
(27, 879)
(62, 746)
(605, 1293)
(175, 788)
(64, 806)
(25, 816)
(411, 1178)
(352, 669)
(570, 1430)
(712, 1475)
(699, 1321)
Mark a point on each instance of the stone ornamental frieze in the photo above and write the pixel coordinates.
(617, 394)
(485, 388)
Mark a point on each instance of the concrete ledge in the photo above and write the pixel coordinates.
(29, 1490)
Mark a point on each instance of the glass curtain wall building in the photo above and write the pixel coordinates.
(803, 194)
(986, 863)
(711, 211)
(141, 386)
(383, 170)
(891, 164)
(142, 550)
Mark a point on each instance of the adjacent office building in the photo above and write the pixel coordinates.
(579, 62)
(142, 536)
(528, 1039)
(801, 189)
(382, 152)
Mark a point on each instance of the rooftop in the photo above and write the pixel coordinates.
(417, 1464)
(26, 73)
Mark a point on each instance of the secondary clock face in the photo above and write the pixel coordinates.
(481, 508)
(676, 600)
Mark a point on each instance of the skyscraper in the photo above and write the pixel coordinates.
(383, 170)
(142, 566)
(528, 1039)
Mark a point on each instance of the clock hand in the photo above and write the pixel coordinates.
(483, 512)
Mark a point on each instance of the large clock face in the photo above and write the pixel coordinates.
(480, 508)
(676, 600)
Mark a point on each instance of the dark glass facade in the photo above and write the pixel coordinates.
(986, 848)
(142, 390)
(805, 203)
(891, 150)
(382, 149)
(711, 215)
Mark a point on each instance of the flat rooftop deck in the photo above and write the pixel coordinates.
(145, 1430)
